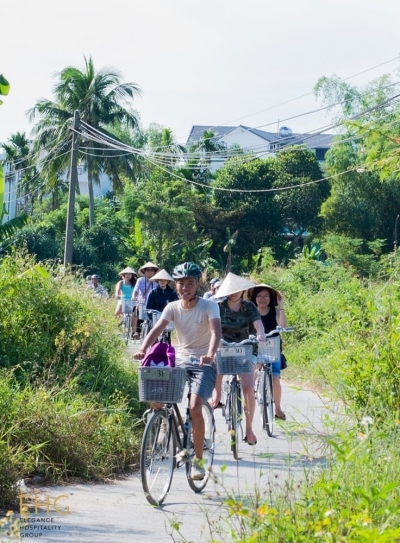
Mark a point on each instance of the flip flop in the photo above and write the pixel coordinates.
(220, 405)
(281, 418)
(249, 442)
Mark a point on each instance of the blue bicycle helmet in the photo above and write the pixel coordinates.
(187, 269)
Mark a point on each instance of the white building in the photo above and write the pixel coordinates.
(14, 197)
(259, 142)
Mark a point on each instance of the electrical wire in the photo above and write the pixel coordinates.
(298, 97)
(164, 159)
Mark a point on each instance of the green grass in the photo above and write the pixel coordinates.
(69, 405)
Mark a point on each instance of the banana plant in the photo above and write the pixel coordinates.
(311, 253)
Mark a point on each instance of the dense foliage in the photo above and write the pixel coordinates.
(68, 394)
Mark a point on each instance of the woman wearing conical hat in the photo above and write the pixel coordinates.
(124, 290)
(238, 317)
(269, 302)
(142, 289)
(144, 285)
(163, 294)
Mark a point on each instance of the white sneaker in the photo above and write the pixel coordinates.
(197, 473)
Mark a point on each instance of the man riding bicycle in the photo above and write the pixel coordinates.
(198, 328)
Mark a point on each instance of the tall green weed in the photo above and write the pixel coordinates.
(69, 403)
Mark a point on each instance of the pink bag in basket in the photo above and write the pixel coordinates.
(160, 355)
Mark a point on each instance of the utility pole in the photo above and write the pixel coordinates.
(73, 181)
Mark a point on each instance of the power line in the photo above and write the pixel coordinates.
(165, 158)
(299, 97)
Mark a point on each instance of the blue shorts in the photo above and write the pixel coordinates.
(276, 368)
(201, 380)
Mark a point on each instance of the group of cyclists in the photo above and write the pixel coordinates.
(200, 324)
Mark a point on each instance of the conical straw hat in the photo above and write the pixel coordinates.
(163, 274)
(128, 270)
(261, 286)
(232, 284)
(148, 265)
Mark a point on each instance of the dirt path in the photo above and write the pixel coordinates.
(119, 512)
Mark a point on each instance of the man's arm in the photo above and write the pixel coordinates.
(215, 340)
(136, 289)
(151, 338)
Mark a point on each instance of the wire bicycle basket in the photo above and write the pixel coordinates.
(269, 350)
(234, 360)
(161, 384)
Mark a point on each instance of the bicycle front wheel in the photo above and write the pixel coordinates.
(268, 402)
(208, 449)
(144, 330)
(128, 327)
(157, 457)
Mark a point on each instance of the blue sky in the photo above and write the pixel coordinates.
(199, 62)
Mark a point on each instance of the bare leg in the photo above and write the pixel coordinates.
(216, 396)
(249, 404)
(134, 322)
(118, 311)
(196, 412)
(276, 383)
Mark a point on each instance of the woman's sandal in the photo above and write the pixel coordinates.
(280, 418)
(249, 442)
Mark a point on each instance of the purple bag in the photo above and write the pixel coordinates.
(160, 355)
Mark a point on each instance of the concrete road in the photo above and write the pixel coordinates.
(119, 512)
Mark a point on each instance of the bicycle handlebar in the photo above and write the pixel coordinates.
(252, 340)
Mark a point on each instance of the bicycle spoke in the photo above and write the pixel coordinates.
(208, 450)
(157, 458)
(268, 402)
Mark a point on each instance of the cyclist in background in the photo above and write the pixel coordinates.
(237, 320)
(144, 285)
(212, 291)
(198, 327)
(98, 289)
(142, 290)
(124, 291)
(269, 302)
(163, 294)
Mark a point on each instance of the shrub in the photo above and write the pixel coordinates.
(68, 393)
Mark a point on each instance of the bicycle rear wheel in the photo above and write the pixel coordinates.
(208, 449)
(233, 425)
(268, 402)
(144, 330)
(157, 457)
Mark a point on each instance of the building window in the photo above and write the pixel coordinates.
(320, 153)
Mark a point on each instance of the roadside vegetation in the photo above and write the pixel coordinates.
(346, 345)
(68, 392)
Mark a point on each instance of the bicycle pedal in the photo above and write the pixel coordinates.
(182, 456)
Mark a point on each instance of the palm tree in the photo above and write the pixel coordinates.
(231, 241)
(208, 144)
(102, 100)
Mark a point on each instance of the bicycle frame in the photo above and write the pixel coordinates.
(167, 445)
